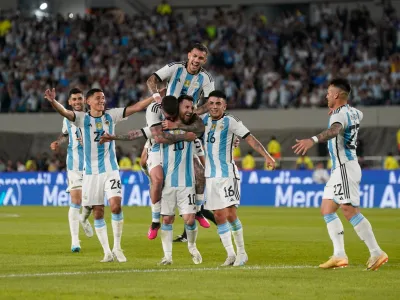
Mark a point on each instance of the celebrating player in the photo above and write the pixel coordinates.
(342, 189)
(222, 177)
(101, 174)
(72, 134)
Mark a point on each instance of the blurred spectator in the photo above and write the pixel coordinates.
(398, 141)
(360, 148)
(304, 163)
(274, 148)
(53, 165)
(248, 162)
(2, 166)
(31, 165)
(136, 166)
(320, 174)
(237, 153)
(20, 166)
(390, 162)
(164, 8)
(10, 166)
(125, 163)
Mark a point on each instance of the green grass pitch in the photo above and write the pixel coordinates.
(284, 247)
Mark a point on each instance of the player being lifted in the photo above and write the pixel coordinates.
(222, 177)
(101, 174)
(72, 134)
(177, 165)
(342, 189)
(183, 78)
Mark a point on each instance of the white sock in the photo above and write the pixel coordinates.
(191, 233)
(166, 239)
(117, 225)
(101, 231)
(224, 232)
(336, 233)
(155, 212)
(237, 232)
(73, 218)
(85, 213)
(199, 200)
(364, 230)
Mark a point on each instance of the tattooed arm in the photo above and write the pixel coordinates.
(152, 83)
(202, 109)
(257, 146)
(330, 133)
(197, 125)
(302, 146)
(130, 136)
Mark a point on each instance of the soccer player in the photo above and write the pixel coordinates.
(342, 189)
(185, 78)
(72, 134)
(222, 177)
(179, 184)
(101, 174)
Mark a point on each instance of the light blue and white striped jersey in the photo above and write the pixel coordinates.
(99, 158)
(154, 117)
(342, 148)
(181, 82)
(75, 148)
(177, 162)
(218, 138)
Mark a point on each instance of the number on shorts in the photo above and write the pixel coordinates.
(197, 144)
(229, 192)
(338, 191)
(179, 146)
(192, 199)
(98, 135)
(210, 138)
(115, 184)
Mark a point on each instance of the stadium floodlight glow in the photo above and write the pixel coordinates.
(43, 6)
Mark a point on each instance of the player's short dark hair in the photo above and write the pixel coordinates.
(341, 83)
(199, 46)
(170, 105)
(218, 94)
(92, 92)
(185, 97)
(74, 91)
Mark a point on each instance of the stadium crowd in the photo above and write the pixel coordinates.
(259, 63)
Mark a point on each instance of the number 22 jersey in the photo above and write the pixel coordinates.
(342, 148)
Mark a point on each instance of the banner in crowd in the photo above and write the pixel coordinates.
(378, 188)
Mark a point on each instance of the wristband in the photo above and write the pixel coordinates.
(156, 95)
(315, 139)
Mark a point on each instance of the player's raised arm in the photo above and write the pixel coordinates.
(257, 146)
(50, 95)
(138, 106)
(129, 136)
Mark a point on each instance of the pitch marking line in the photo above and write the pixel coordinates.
(153, 271)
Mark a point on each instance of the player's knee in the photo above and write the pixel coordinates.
(98, 212)
(349, 211)
(168, 219)
(157, 176)
(189, 219)
(115, 208)
(220, 216)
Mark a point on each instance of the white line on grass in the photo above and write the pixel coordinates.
(154, 271)
(3, 215)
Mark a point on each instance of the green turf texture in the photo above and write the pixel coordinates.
(284, 246)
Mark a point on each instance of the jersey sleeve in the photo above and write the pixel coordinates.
(238, 128)
(166, 71)
(208, 86)
(360, 114)
(198, 147)
(117, 114)
(79, 118)
(153, 114)
(339, 118)
(64, 129)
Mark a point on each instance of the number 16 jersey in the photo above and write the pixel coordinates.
(342, 148)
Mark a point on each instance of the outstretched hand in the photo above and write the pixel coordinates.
(302, 146)
(54, 146)
(50, 95)
(106, 138)
(270, 163)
